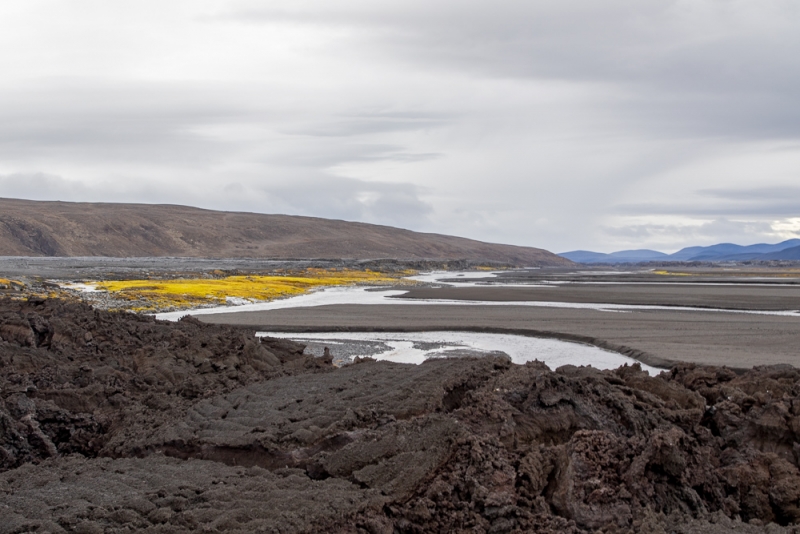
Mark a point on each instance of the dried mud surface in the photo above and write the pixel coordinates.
(111, 422)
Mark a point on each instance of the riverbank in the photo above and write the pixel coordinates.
(656, 338)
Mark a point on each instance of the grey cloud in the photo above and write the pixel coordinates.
(165, 125)
(706, 67)
(410, 156)
(121, 122)
(328, 154)
(372, 123)
(758, 194)
(675, 42)
(41, 186)
(235, 188)
(732, 115)
(394, 204)
(668, 238)
(784, 208)
(759, 202)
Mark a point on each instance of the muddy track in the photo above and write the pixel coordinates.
(114, 422)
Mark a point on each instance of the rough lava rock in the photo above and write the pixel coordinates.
(117, 423)
(71, 377)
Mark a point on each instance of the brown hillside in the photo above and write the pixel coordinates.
(32, 228)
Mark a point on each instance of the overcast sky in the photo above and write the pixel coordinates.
(561, 124)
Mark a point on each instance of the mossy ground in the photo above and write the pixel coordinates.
(159, 295)
(672, 273)
(13, 288)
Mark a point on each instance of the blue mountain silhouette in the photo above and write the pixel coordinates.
(785, 250)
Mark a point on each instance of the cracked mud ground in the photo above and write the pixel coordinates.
(120, 423)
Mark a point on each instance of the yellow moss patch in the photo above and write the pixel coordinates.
(7, 283)
(150, 295)
(670, 273)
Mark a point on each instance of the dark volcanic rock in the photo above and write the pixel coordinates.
(72, 377)
(160, 494)
(113, 422)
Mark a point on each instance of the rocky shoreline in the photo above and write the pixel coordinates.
(112, 422)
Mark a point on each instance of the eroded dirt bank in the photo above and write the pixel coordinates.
(118, 423)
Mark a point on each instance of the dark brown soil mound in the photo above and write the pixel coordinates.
(113, 423)
(31, 228)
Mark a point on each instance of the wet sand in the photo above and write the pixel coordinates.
(655, 337)
(729, 297)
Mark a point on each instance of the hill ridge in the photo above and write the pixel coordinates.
(72, 229)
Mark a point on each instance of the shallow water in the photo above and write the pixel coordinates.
(416, 347)
(469, 279)
(373, 296)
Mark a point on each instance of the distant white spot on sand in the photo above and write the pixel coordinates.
(83, 288)
(237, 301)
(468, 279)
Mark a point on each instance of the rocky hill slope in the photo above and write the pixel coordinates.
(31, 228)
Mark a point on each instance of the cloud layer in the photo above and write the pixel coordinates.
(570, 124)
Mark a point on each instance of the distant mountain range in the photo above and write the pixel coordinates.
(786, 250)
